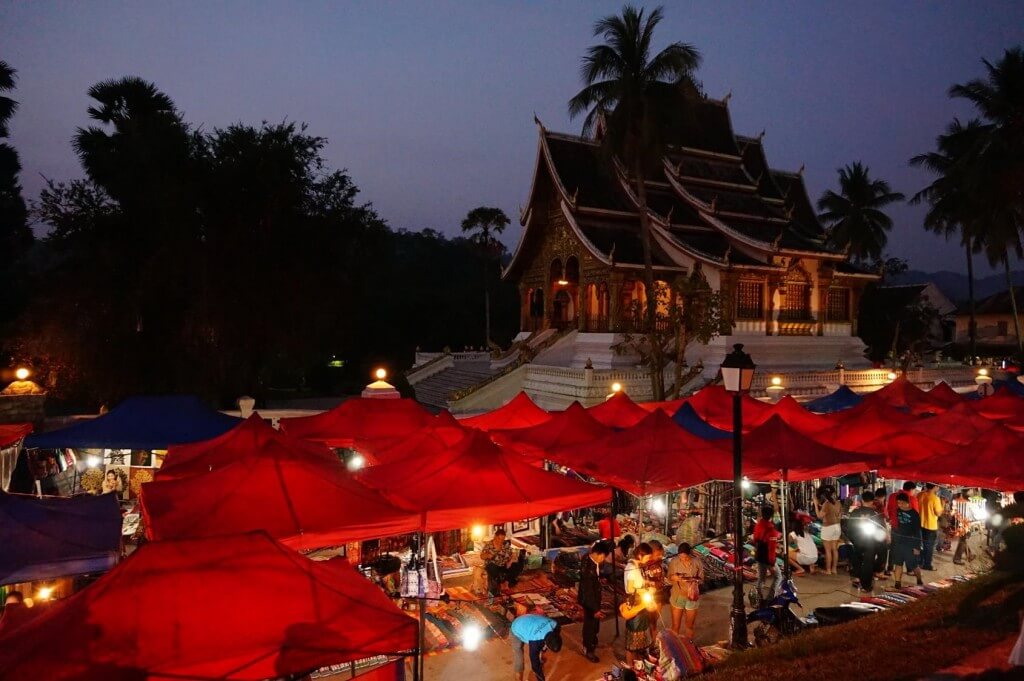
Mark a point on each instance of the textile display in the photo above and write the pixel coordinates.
(140, 625)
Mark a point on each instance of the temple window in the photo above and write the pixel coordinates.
(839, 304)
(796, 302)
(749, 300)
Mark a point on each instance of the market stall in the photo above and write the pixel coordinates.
(238, 607)
(360, 418)
(842, 398)
(574, 426)
(618, 412)
(11, 435)
(519, 412)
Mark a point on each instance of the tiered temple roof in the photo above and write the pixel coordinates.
(713, 198)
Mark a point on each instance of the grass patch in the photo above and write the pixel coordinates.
(902, 643)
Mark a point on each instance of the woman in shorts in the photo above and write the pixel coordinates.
(685, 573)
(829, 512)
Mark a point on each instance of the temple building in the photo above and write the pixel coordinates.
(714, 206)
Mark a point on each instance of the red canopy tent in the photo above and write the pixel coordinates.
(865, 423)
(253, 437)
(1001, 405)
(959, 425)
(444, 432)
(12, 432)
(903, 446)
(520, 412)
(670, 407)
(790, 411)
(304, 504)
(992, 461)
(714, 404)
(360, 418)
(777, 448)
(943, 394)
(652, 457)
(239, 607)
(902, 394)
(618, 411)
(475, 481)
(574, 426)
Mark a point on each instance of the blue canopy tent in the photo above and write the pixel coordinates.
(57, 537)
(141, 423)
(844, 398)
(688, 418)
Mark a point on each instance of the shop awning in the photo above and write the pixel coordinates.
(862, 424)
(574, 426)
(10, 433)
(141, 423)
(474, 481)
(777, 447)
(958, 425)
(652, 457)
(790, 411)
(57, 537)
(904, 395)
(714, 404)
(241, 607)
(842, 398)
(359, 418)
(519, 412)
(618, 411)
(992, 461)
(253, 437)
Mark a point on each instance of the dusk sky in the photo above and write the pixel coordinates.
(430, 105)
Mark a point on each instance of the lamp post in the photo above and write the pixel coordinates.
(737, 375)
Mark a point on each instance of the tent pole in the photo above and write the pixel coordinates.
(783, 493)
(668, 513)
(421, 593)
(615, 589)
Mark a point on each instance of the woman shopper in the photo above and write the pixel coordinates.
(685, 573)
(639, 603)
(829, 512)
(805, 556)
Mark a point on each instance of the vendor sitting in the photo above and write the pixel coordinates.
(499, 564)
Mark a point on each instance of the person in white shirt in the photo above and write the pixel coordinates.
(804, 557)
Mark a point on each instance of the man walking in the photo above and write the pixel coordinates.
(930, 506)
(906, 540)
(589, 596)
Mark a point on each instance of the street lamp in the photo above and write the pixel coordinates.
(737, 375)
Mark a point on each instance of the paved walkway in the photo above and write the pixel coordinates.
(493, 660)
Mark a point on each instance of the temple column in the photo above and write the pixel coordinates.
(727, 288)
(823, 287)
(771, 285)
(615, 302)
(524, 307)
(855, 294)
(582, 306)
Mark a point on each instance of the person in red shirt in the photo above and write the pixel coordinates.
(766, 538)
(606, 527)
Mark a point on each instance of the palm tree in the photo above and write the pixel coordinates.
(855, 217)
(633, 91)
(7, 105)
(484, 224)
(15, 234)
(950, 213)
(994, 168)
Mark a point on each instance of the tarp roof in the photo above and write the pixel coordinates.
(360, 418)
(573, 426)
(241, 607)
(842, 398)
(958, 425)
(691, 421)
(790, 411)
(775, 446)
(55, 537)
(253, 437)
(12, 432)
(903, 446)
(519, 412)
(993, 461)
(441, 430)
(902, 394)
(863, 423)
(1002, 404)
(714, 404)
(943, 394)
(476, 481)
(618, 411)
(652, 457)
(141, 423)
(304, 504)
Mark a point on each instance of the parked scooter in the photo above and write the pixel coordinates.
(775, 619)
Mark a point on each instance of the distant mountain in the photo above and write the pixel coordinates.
(954, 284)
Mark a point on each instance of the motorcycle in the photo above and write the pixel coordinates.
(775, 619)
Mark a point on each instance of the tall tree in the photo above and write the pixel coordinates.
(950, 212)
(634, 93)
(855, 216)
(994, 166)
(484, 225)
(15, 234)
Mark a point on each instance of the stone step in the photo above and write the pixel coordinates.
(435, 390)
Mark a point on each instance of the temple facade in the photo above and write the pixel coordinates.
(716, 208)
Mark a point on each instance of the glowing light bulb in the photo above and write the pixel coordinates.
(983, 372)
(381, 374)
(616, 387)
(745, 484)
(776, 380)
(647, 597)
(658, 506)
(44, 593)
(891, 376)
(356, 461)
(93, 461)
(471, 637)
(563, 282)
(22, 373)
(477, 532)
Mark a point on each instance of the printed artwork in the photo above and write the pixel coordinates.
(158, 457)
(116, 480)
(136, 479)
(92, 481)
(117, 457)
(142, 457)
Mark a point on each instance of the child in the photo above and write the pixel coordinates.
(766, 544)
(906, 540)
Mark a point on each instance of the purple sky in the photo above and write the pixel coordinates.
(430, 105)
